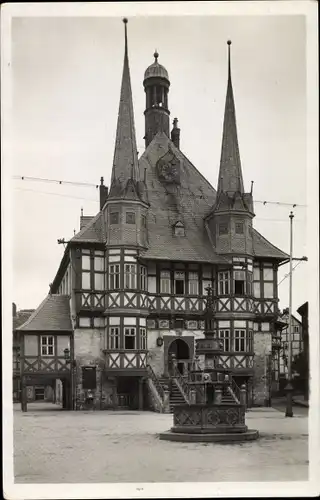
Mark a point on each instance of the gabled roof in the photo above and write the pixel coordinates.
(52, 315)
(92, 232)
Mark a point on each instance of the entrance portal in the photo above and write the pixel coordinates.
(180, 350)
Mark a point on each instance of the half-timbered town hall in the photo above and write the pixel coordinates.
(126, 306)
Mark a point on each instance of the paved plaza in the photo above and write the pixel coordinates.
(54, 446)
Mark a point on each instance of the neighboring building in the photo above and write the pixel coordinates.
(18, 318)
(297, 341)
(132, 281)
(304, 313)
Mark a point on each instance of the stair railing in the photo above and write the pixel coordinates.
(236, 390)
(156, 383)
(182, 384)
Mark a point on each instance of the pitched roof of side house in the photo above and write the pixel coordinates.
(52, 315)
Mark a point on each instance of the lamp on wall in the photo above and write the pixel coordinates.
(159, 341)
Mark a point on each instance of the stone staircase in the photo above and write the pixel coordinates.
(176, 397)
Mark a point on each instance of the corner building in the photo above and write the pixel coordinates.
(136, 273)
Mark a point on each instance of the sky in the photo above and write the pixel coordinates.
(66, 75)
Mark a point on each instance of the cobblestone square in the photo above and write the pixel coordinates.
(54, 446)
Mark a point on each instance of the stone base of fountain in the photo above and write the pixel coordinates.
(214, 423)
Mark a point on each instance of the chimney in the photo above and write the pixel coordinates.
(175, 133)
(14, 310)
(103, 191)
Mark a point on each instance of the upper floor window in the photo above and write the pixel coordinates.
(130, 276)
(224, 336)
(193, 283)
(114, 337)
(130, 218)
(223, 228)
(130, 338)
(179, 229)
(165, 282)
(47, 345)
(179, 278)
(143, 221)
(114, 218)
(296, 329)
(239, 282)
(240, 340)
(143, 278)
(114, 276)
(143, 339)
(224, 282)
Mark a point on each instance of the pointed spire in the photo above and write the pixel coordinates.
(230, 173)
(125, 161)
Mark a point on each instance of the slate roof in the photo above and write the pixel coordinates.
(92, 232)
(263, 248)
(186, 203)
(125, 160)
(21, 317)
(52, 315)
(189, 203)
(230, 173)
(156, 70)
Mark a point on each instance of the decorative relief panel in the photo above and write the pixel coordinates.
(168, 168)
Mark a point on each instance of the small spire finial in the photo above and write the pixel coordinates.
(156, 55)
(101, 181)
(81, 212)
(229, 59)
(125, 20)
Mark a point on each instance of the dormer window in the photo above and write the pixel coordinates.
(179, 229)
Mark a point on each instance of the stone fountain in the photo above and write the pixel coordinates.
(215, 411)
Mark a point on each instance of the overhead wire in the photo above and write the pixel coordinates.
(288, 274)
(88, 184)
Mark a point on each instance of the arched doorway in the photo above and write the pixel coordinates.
(179, 349)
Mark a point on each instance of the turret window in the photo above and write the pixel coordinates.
(239, 228)
(223, 228)
(130, 218)
(114, 218)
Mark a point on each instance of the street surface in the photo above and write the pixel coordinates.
(55, 446)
